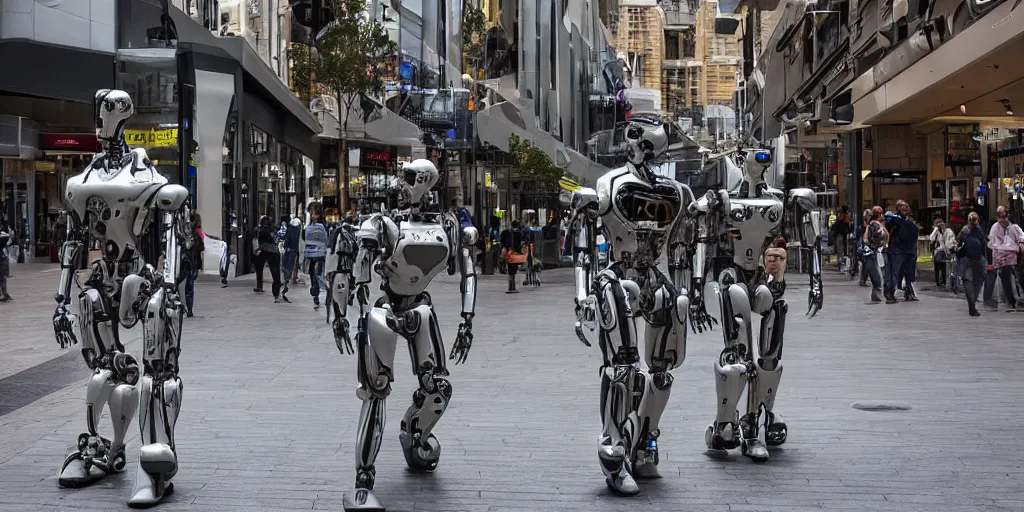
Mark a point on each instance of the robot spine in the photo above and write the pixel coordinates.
(407, 249)
(121, 202)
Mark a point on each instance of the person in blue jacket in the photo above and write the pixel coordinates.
(903, 233)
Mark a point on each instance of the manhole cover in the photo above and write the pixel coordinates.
(881, 406)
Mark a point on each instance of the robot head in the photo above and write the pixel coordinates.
(645, 141)
(755, 163)
(420, 177)
(113, 108)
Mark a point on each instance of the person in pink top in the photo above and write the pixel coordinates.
(1006, 239)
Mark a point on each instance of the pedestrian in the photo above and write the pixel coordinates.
(971, 263)
(267, 253)
(1006, 240)
(316, 254)
(840, 233)
(6, 237)
(512, 252)
(193, 256)
(290, 259)
(875, 242)
(942, 239)
(903, 233)
(465, 219)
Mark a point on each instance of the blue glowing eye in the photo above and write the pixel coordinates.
(763, 157)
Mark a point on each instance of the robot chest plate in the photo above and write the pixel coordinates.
(754, 223)
(647, 207)
(420, 254)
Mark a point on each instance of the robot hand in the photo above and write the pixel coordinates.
(63, 327)
(463, 341)
(815, 297)
(586, 317)
(700, 320)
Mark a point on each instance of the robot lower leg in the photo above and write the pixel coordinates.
(619, 424)
(766, 372)
(420, 446)
(112, 385)
(161, 395)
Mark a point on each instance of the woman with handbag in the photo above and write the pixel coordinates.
(1005, 239)
(512, 253)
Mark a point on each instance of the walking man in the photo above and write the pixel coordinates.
(903, 233)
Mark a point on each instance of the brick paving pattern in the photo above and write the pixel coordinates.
(269, 412)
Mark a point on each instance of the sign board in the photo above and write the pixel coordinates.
(899, 180)
(152, 138)
(85, 143)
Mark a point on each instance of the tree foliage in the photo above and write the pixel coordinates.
(474, 30)
(352, 57)
(534, 163)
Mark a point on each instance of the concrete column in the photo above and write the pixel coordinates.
(214, 92)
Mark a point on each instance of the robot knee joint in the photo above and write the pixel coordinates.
(661, 379)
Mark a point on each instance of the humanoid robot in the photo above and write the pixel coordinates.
(341, 256)
(638, 213)
(736, 247)
(407, 249)
(138, 218)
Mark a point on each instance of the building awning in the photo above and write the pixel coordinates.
(237, 48)
(897, 176)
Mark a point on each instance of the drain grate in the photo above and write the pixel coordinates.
(881, 406)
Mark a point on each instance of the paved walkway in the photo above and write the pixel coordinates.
(269, 412)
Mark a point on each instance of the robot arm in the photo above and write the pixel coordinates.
(70, 254)
(710, 212)
(582, 233)
(682, 244)
(806, 205)
(461, 241)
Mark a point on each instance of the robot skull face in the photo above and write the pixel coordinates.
(113, 108)
(420, 177)
(645, 140)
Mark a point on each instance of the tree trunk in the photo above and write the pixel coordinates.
(343, 207)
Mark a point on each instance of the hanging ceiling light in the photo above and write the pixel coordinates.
(963, 108)
(1006, 105)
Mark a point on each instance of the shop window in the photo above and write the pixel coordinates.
(259, 141)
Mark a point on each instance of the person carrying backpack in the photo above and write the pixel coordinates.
(970, 252)
(465, 219)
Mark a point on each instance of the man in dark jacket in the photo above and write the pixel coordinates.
(903, 233)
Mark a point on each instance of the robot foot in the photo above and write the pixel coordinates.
(645, 463)
(362, 500)
(90, 461)
(157, 465)
(776, 431)
(617, 474)
(755, 449)
(722, 436)
(420, 456)
(622, 484)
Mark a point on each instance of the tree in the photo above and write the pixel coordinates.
(351, 59)
(534, 163)
(474, 31)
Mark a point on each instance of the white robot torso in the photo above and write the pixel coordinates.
(115, 203)
(751, 224)
(414, 253)
(636, 216)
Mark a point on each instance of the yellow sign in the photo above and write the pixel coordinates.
(488, 182)
(152, 138)
(568, 184)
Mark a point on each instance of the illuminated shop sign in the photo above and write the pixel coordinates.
(85, 143)
(375, 159)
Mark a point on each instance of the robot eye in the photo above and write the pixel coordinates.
(634, 132)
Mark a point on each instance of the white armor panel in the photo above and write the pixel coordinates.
(116, 199)
(417, 257)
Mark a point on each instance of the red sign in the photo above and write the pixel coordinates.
(86, 143)
(377, 156)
